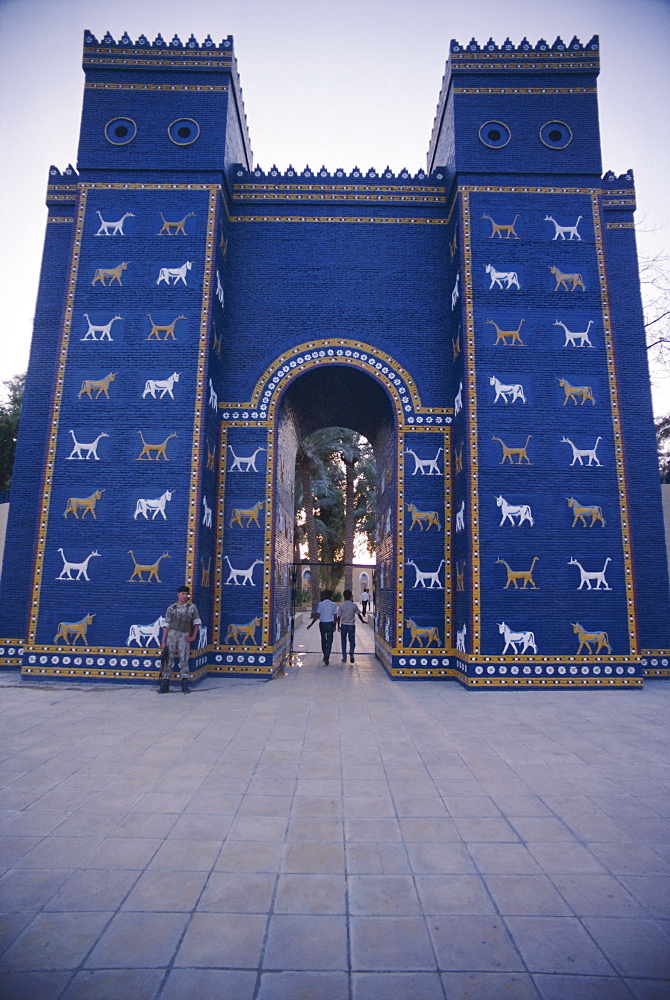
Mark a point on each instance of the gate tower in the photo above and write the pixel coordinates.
(479, 322)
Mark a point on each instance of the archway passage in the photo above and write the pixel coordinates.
(341, 396)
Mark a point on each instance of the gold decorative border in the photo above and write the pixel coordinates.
(156, 86)
(354, 220)
(58, 218)
(525, 90)
(198, 420)
(333, 194)
(616, 425)
(338, 344)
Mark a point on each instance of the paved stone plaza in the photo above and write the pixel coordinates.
(334, 835)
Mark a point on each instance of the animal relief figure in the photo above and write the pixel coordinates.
(146, 636)
(510, 278)
(240, 635)
(99, 387)
(429, 517)
(512, 510)
(581, 513)
(164, 386)
(460, 577)
(579, 454)
(211, 456)
(432, 577)
(524, 639)
(90, 447)
(572, 336)
(460, 517)
(561, 231)
(456, 291)
(460, 638)
(149, 449)
(587, 577)
(502, 335)
(206, 513)
(601, 639)
(167, 330)
(422, 636)
(104, 331)
(514, 575)
(251, 514)
(75, 629)
(573, 391)
(459, 459)
(458, 400)
(141, 568)
(79, 568)
(497, 229)
(563, 280)
(205, 571)
(174, 274)
(249, 461)
(219, 289)
(202, 637)
(509, 453)
(453, 246)
(113, 273)
(174, 228)
(113, 228)
(427, 466)
(213, 398)
(505, 391)
(241, 577)
(155, 506)
(84, 504)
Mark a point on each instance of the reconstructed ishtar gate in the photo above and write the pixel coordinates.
(479, 322)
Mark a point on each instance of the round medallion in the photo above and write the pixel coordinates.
(183, 131)
(495, 135)
(555, 135)
(120, 131)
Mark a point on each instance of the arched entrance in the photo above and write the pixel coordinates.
(318, 384)
(342, 396)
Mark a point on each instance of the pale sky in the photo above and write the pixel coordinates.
(334, 83)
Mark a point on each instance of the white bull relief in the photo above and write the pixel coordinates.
(163, 386)
(524, 639)
(511, 510)
(241, 577)
(154, 507)
(174, 274)
(146, 636)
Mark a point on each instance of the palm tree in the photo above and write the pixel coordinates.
(336, 475)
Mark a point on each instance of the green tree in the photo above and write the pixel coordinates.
(10, 411)
(335, 500)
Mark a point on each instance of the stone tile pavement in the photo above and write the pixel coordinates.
(333, 835)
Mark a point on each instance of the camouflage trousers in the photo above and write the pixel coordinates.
(178, 649)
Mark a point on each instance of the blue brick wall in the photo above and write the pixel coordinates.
(361, 300)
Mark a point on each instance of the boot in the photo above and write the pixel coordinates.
(164, 686)
(184, 686)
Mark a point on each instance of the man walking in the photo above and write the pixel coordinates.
(346, 624)
(325, 613)
(183, 624)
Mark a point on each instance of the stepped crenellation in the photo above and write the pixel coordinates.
(610, 179)
(525, 46)
(241, 175)
(125, 41)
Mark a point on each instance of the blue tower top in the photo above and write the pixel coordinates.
(518, 110)
(152, 107)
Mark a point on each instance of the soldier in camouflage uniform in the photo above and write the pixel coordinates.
(183, 623)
